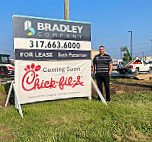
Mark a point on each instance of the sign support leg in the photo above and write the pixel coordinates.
(9, 93)
(89, 97)
(17, 103)
(98, 91)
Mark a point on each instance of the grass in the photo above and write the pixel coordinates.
(126, 118)
(2, 92)
(126, 80)
(2, 89)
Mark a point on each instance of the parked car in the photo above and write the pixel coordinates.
(150, 62)
(5, 67)
(6, 70)
(116, 62)
(139, 66)
(135, 66)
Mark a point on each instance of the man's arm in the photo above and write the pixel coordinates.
(93, 68)
(94, 65)
(110, 68)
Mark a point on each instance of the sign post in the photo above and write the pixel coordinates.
(52, 59)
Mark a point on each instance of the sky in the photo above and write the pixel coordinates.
(110, 21)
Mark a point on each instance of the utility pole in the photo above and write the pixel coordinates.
(143, 55)
(131, 42)
(66, 9)
(151, 48)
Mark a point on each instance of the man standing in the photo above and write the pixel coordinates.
(102, 68)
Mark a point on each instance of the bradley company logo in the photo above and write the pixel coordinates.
(28, 26)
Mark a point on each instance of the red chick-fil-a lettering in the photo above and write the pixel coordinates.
(31, 81)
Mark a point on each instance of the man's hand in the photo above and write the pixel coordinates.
(110, 69)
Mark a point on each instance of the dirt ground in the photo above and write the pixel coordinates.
(117, 86)
(6, 135)
(123, 85)
(128, 88)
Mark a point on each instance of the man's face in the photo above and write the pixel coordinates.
(101, 50)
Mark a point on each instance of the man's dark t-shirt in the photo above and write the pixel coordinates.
(102, 63)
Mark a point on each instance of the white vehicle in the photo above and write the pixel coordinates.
(5, 67)
(116, 62)
(150, 62)
(140, 66)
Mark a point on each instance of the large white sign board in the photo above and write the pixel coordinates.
(52, 59)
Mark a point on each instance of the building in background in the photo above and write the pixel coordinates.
(93, 53)
(147, 58)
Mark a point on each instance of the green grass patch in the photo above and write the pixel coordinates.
(126, 118)
(2, 89)
(2, 93)
(124, 80)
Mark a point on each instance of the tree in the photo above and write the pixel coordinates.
(126, 57)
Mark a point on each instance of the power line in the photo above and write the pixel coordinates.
(140, 44)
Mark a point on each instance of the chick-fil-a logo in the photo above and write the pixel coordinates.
(31, 80)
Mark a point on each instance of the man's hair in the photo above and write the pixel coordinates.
(101, 46)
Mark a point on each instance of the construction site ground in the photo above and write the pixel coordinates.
(127, 85)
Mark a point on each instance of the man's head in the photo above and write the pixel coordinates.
(101, 50)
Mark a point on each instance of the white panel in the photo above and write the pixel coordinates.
(25, 43)
(54, 80)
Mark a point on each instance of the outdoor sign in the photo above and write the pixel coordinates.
(52, 59)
